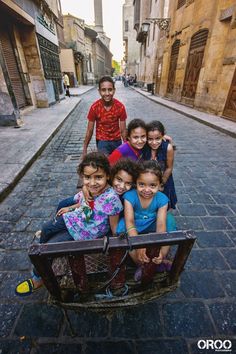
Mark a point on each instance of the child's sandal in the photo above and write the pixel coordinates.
(26, 288)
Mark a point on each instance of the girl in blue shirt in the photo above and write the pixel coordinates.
(145, 211)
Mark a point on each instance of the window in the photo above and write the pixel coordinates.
(181, 3)
(126, 26)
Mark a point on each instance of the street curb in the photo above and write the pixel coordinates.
(209, 124)
(83, 93)
(4, 193)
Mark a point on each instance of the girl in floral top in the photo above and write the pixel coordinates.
(82, 221)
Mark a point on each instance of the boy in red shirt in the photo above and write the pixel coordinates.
(109, 114)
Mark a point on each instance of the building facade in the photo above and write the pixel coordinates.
(131, 58)
(188, 50)
(73, 56)
(200, 56)
(150, 24)
(30, 73)
(86, 56)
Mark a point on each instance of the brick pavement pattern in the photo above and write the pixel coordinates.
(203, 306)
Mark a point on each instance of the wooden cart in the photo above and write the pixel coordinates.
(96, 274)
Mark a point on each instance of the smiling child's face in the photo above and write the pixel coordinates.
(137, 138)
(107, 92)
(122, 182)
(95, 180)
(147, 185)
(154, 139)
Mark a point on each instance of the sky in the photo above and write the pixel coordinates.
(112, 20)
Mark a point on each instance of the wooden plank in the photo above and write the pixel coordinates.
(180, 259)
(95, 246)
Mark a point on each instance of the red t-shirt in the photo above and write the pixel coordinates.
(107, 122)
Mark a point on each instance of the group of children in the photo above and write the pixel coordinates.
(121, 192)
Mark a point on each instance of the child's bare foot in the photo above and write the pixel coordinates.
(37, 283)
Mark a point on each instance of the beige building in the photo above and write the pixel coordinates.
(131, 46)
(193, 60)
(30, 74)
(77, 58)
(90, 39)
(86, 56)
(200, 56)
(150, 17)
(72, 57)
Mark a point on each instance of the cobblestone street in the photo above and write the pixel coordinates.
(203, 307)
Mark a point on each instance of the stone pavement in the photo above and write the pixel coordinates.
(202, 308)
(20, 147)
(219, 123)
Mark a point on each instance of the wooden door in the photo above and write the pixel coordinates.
(230, 106)
(12, 67)
(173, 66)
(194, 64)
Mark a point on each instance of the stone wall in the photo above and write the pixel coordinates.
(219, 59)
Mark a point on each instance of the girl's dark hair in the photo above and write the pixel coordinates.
(96, 160)
(151, 166)
(155, 125)
(106, 79)
(135, 123)
(127, 165)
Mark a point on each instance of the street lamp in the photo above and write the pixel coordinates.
(163, 23)
(143, 32)
(145, 26)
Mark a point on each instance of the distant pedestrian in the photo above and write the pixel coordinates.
(110, 116)
(124, 79)
(66, 83)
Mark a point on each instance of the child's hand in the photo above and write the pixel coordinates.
(168, 138)
(141, 256)
(88, 198)
(159, 259)
(63, 211)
